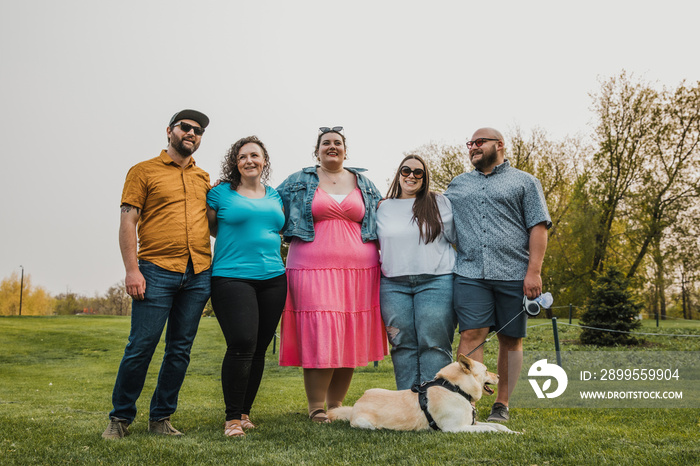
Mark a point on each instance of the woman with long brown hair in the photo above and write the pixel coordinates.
(415, 229)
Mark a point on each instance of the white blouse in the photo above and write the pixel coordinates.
(403, 252)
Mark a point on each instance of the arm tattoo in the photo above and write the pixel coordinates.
(127, 208)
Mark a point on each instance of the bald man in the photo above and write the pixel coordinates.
(501, 219)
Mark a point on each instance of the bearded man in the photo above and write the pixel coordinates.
(501, 219)
(163, 208)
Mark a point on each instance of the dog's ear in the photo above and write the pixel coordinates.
(465, 363)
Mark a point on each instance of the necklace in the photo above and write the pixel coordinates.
(329, 178)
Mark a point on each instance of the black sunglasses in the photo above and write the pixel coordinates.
(326, 129)
(417, 173)
(186, 127)
(479, 142)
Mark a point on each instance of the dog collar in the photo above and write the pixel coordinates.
(422, 391)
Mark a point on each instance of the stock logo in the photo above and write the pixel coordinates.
(542, 369)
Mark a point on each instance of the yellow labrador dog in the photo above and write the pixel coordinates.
(442, 404)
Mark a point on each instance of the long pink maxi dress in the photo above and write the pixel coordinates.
(332, 318)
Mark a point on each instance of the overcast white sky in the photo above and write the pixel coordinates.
(87, 89)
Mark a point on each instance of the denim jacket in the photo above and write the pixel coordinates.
(297, 192)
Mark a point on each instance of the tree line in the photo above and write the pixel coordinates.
(36, 301)
(624, 196)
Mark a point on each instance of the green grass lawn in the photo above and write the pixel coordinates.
(57, 373)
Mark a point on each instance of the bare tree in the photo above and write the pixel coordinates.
(116, 300)
(684, 244)
(626, 114)
(557, 164)
(671, 180)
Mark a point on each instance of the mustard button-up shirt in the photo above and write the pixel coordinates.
(173, 224)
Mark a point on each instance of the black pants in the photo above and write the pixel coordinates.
(248, 312)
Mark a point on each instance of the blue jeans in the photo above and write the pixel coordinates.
(420, 321)
(175, 298)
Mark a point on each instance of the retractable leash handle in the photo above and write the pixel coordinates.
(531, 306)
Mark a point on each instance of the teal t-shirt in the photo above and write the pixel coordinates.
(247, 241)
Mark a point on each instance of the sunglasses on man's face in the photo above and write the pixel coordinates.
(417, 172)
(326, 129)
(186, 127)
(479, 142)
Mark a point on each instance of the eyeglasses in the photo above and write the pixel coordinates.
(417, 173)
(479, 142)
(326, 129)
(186, 127)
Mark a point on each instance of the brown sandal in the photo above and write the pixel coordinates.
(246, 423)
(319, 416)
(233, 428)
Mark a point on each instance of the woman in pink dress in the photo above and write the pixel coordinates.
(331, 321)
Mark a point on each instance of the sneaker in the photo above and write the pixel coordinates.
(499, 413)
(163, 427)
(117, 428)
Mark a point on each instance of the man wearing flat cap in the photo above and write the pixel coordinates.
(163, 208)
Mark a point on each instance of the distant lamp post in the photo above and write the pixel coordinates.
(21, 289)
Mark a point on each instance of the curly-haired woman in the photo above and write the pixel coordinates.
(249, 285)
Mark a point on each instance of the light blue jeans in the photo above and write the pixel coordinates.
(420, 321)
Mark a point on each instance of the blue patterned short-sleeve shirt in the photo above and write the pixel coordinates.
(492, 216)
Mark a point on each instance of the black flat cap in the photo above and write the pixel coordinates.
(188, 114)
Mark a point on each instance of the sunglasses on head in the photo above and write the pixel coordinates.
(418, 173)
(186, 127)
(326, 129)
(479, 142)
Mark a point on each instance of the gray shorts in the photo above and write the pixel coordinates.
(490, 303)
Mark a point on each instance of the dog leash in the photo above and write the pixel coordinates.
(422, 391)
(532, 308)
